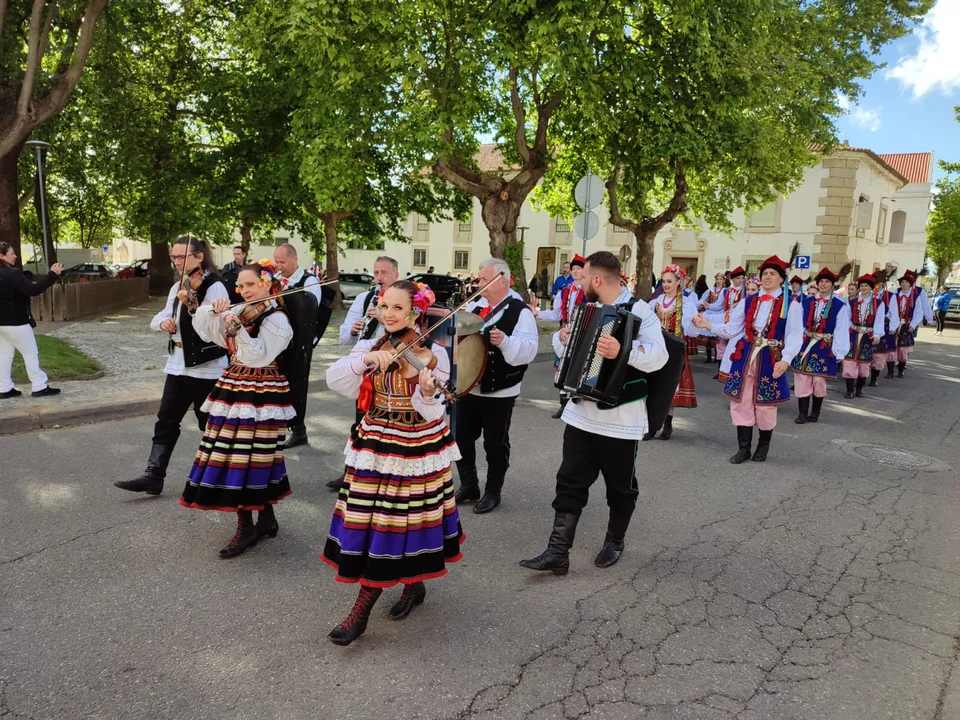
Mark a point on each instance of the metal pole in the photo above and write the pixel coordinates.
(49, 251)
(586, 222)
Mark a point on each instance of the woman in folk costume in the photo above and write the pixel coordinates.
(866, 330)
(719, 310)
(710, 298)
(885, 352)
(395, 520)
(768, 332)
(910, 301)
(564, 304)
(676, 311)
(826, 340)
(239, 466)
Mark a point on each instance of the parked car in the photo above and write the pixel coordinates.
(90, 271)
(953, 312)
(141, 268)
(352, 284)
(447, 288)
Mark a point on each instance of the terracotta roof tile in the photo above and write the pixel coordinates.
(915, 167)
(490, 159)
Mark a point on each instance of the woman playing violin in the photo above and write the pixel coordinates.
(239, 466)
(395, 519)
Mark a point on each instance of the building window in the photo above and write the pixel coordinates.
(419, 257)
(422, 225)
(765, 217)
(361, 245)
(465, 227)
(561, 226)
(461, 259)
(881, 225)
(618, 229)
(898, 221)
(279, 240)
(752, 265)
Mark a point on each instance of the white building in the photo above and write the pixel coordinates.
(854, 204)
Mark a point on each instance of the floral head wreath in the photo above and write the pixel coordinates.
(676, 270)
(755, 280)
(269, 275)
(423, 299)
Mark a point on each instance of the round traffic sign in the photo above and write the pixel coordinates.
(587, 225)
(589, 191)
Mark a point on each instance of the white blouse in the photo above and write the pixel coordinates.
(273, 337)
(346, 375)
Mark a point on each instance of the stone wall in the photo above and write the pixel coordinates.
(832, 243)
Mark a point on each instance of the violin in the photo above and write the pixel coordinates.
(412, 359)
(247, 316)
(191, 282)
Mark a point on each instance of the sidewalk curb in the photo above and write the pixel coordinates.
(48, 418)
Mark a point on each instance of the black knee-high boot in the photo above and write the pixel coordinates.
(889, 369)
(804, 404)
(874, 374)
(861, 381)
(744, 441)
(667, 432)
(354, 624)
(267, 524)
(815, 415)
(763, 445)
(901, 366)
(850, 388)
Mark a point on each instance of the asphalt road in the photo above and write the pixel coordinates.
(821, 585)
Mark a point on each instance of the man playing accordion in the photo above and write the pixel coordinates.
(598, 440)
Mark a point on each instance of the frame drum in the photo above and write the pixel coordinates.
(471, 362)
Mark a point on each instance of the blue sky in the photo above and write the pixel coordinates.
(908, 105)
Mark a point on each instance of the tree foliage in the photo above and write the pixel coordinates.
(704, 107)
(943, 225)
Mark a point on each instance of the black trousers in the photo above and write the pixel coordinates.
(489, 417)
(941, 319)
(587, 455)
(299, 386)
(179, 393)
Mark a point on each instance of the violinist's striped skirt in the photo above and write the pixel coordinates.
(239, 465)
(396, 518)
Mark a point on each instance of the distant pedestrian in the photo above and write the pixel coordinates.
(942, 303)
(16, 323)
(563, 279)
(231, 270)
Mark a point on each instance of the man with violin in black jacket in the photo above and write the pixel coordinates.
(194, 364)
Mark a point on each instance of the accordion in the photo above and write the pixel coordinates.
(585, 374)
(582, 371)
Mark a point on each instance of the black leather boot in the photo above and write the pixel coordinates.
(709, 356)
(901, 366)
(556, 558)
(744, 441)
(243, 538)
(890, 370)
(850, 388)
(151, 482)
(297, 437)
(469, 490)
(667, 432)
(411, 596)
(763, 445)
(335, 484)
(613, 542)
(563, 403)
(804, 404)
(815, 415)
(861, 381)
(267, 525)
(354, 624)
(874, 374)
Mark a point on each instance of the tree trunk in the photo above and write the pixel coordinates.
(333, 261)
(10, 202)
(161, 270)
(245, 235)
(500, 212)
(644, 265)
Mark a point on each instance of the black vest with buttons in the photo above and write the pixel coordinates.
(195, 351)
(499, 374)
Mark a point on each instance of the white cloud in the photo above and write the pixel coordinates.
(867, 118)
(935, 65)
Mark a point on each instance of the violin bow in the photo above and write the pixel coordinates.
(282, 294)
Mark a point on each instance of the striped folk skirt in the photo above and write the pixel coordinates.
(239, 465)
(686, 395)
(396, 519)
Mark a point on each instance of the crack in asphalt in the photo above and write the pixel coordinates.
(755, 604)
(64, 542)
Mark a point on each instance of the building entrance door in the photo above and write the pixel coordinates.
(690, 265)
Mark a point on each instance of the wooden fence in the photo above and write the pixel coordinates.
(70, 301)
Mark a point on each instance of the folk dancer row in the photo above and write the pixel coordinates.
(767, 333)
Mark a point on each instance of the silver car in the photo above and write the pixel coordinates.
(352, 284)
